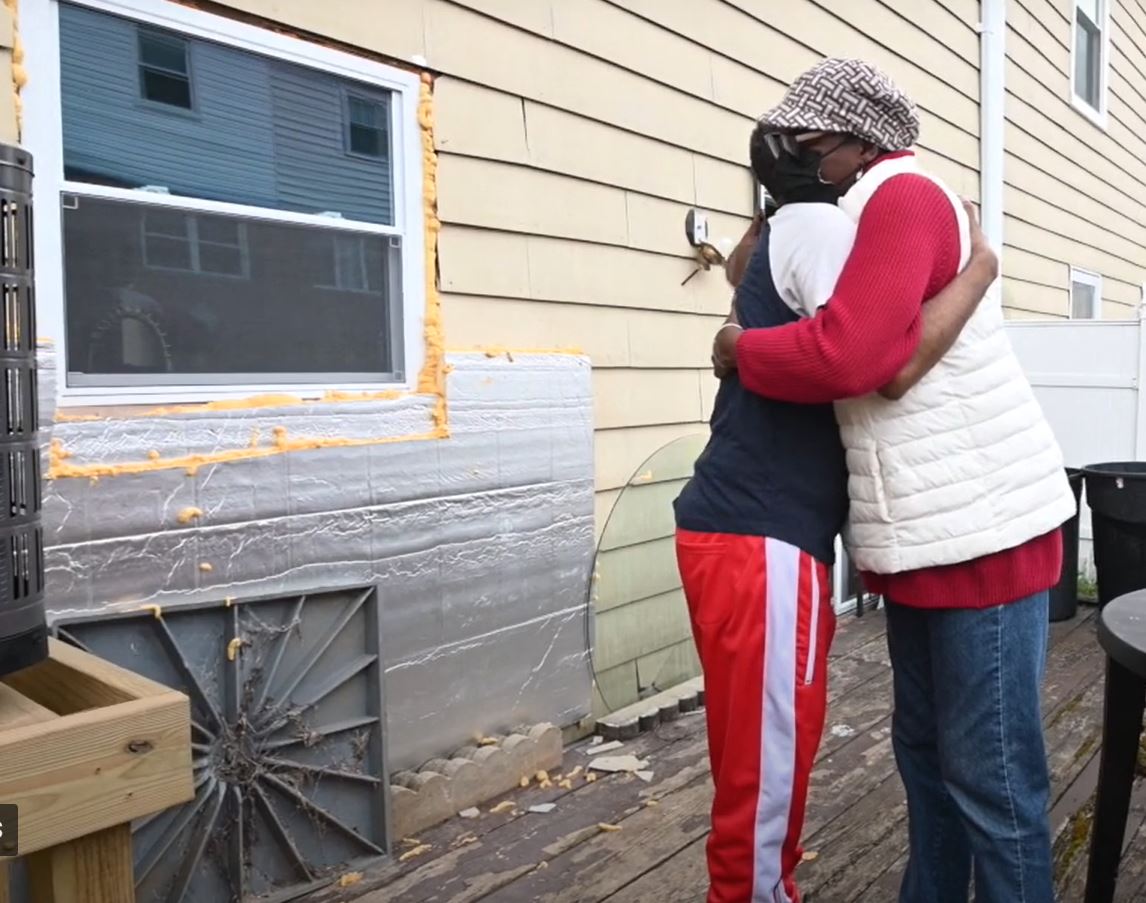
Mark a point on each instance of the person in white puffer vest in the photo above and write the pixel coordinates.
(957, 491)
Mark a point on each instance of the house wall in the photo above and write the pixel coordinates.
(1075, 193)
(468, 502)
(12, 74)
(480, 543)
(573, 137)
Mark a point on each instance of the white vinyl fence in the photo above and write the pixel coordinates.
(1088, 376)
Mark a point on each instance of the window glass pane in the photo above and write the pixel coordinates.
(1090, 8)
(266, 133)
(365, 141)
(171, 253)
(221, 260)
(212, 308)
(160, 51)
(1088, 63)
(219, 229)
(173, 90)
(365, 112)
(166, 222)
(1082, 298)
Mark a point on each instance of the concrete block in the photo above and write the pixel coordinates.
(443, 787)
(498, 768)
(426, 802)
(468, 783)
(547, 739)
(523, 753)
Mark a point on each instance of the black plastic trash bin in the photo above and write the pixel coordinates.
(23, 632)
(1064, 596)
(1116, 494)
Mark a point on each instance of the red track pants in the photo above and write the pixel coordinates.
(763, 621)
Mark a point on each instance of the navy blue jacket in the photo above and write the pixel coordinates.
(771, 468)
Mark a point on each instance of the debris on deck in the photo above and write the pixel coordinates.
(855, 832)
(613, 764)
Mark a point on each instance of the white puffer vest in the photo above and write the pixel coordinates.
(965, 464)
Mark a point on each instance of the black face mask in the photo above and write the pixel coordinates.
(797, 180)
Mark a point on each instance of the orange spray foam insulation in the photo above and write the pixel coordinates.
(431, 379)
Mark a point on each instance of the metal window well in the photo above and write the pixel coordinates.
(287, 739)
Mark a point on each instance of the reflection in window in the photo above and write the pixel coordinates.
(141, 308)
(354, 264)
(251, 243)
(164, 75)
(366, 123)
(212, 245)
(265, 132)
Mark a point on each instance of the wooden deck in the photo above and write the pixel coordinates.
(651, 847)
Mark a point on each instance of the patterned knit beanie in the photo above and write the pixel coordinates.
(848, 97)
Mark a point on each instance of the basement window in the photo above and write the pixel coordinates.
(1085, 295)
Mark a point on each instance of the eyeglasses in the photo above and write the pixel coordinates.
(779, 143)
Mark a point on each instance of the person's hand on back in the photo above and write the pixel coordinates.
(984, 262)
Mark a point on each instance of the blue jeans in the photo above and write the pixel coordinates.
(968, 738)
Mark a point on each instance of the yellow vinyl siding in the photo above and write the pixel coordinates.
(1075, 193)
(573, 136)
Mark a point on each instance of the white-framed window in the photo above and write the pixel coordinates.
(367, 132)
(164, 69)
(236, 210)
(1085, 295)
(1090, 54)
(352, 265)
(191, 242)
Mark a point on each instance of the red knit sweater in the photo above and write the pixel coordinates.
(906, 251)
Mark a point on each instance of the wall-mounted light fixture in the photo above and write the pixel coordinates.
(708, 255)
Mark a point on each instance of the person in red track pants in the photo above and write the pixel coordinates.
(756, 529)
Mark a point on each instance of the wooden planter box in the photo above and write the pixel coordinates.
(85, 748)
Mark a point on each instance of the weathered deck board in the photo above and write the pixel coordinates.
(866, 834)
(606, 866)
(462, 847)
(856, 824)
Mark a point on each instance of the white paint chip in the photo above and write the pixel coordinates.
(470, 813)
(543, 808)
(843, 731)
(645, 776)
(614, 764)
(599, 748)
